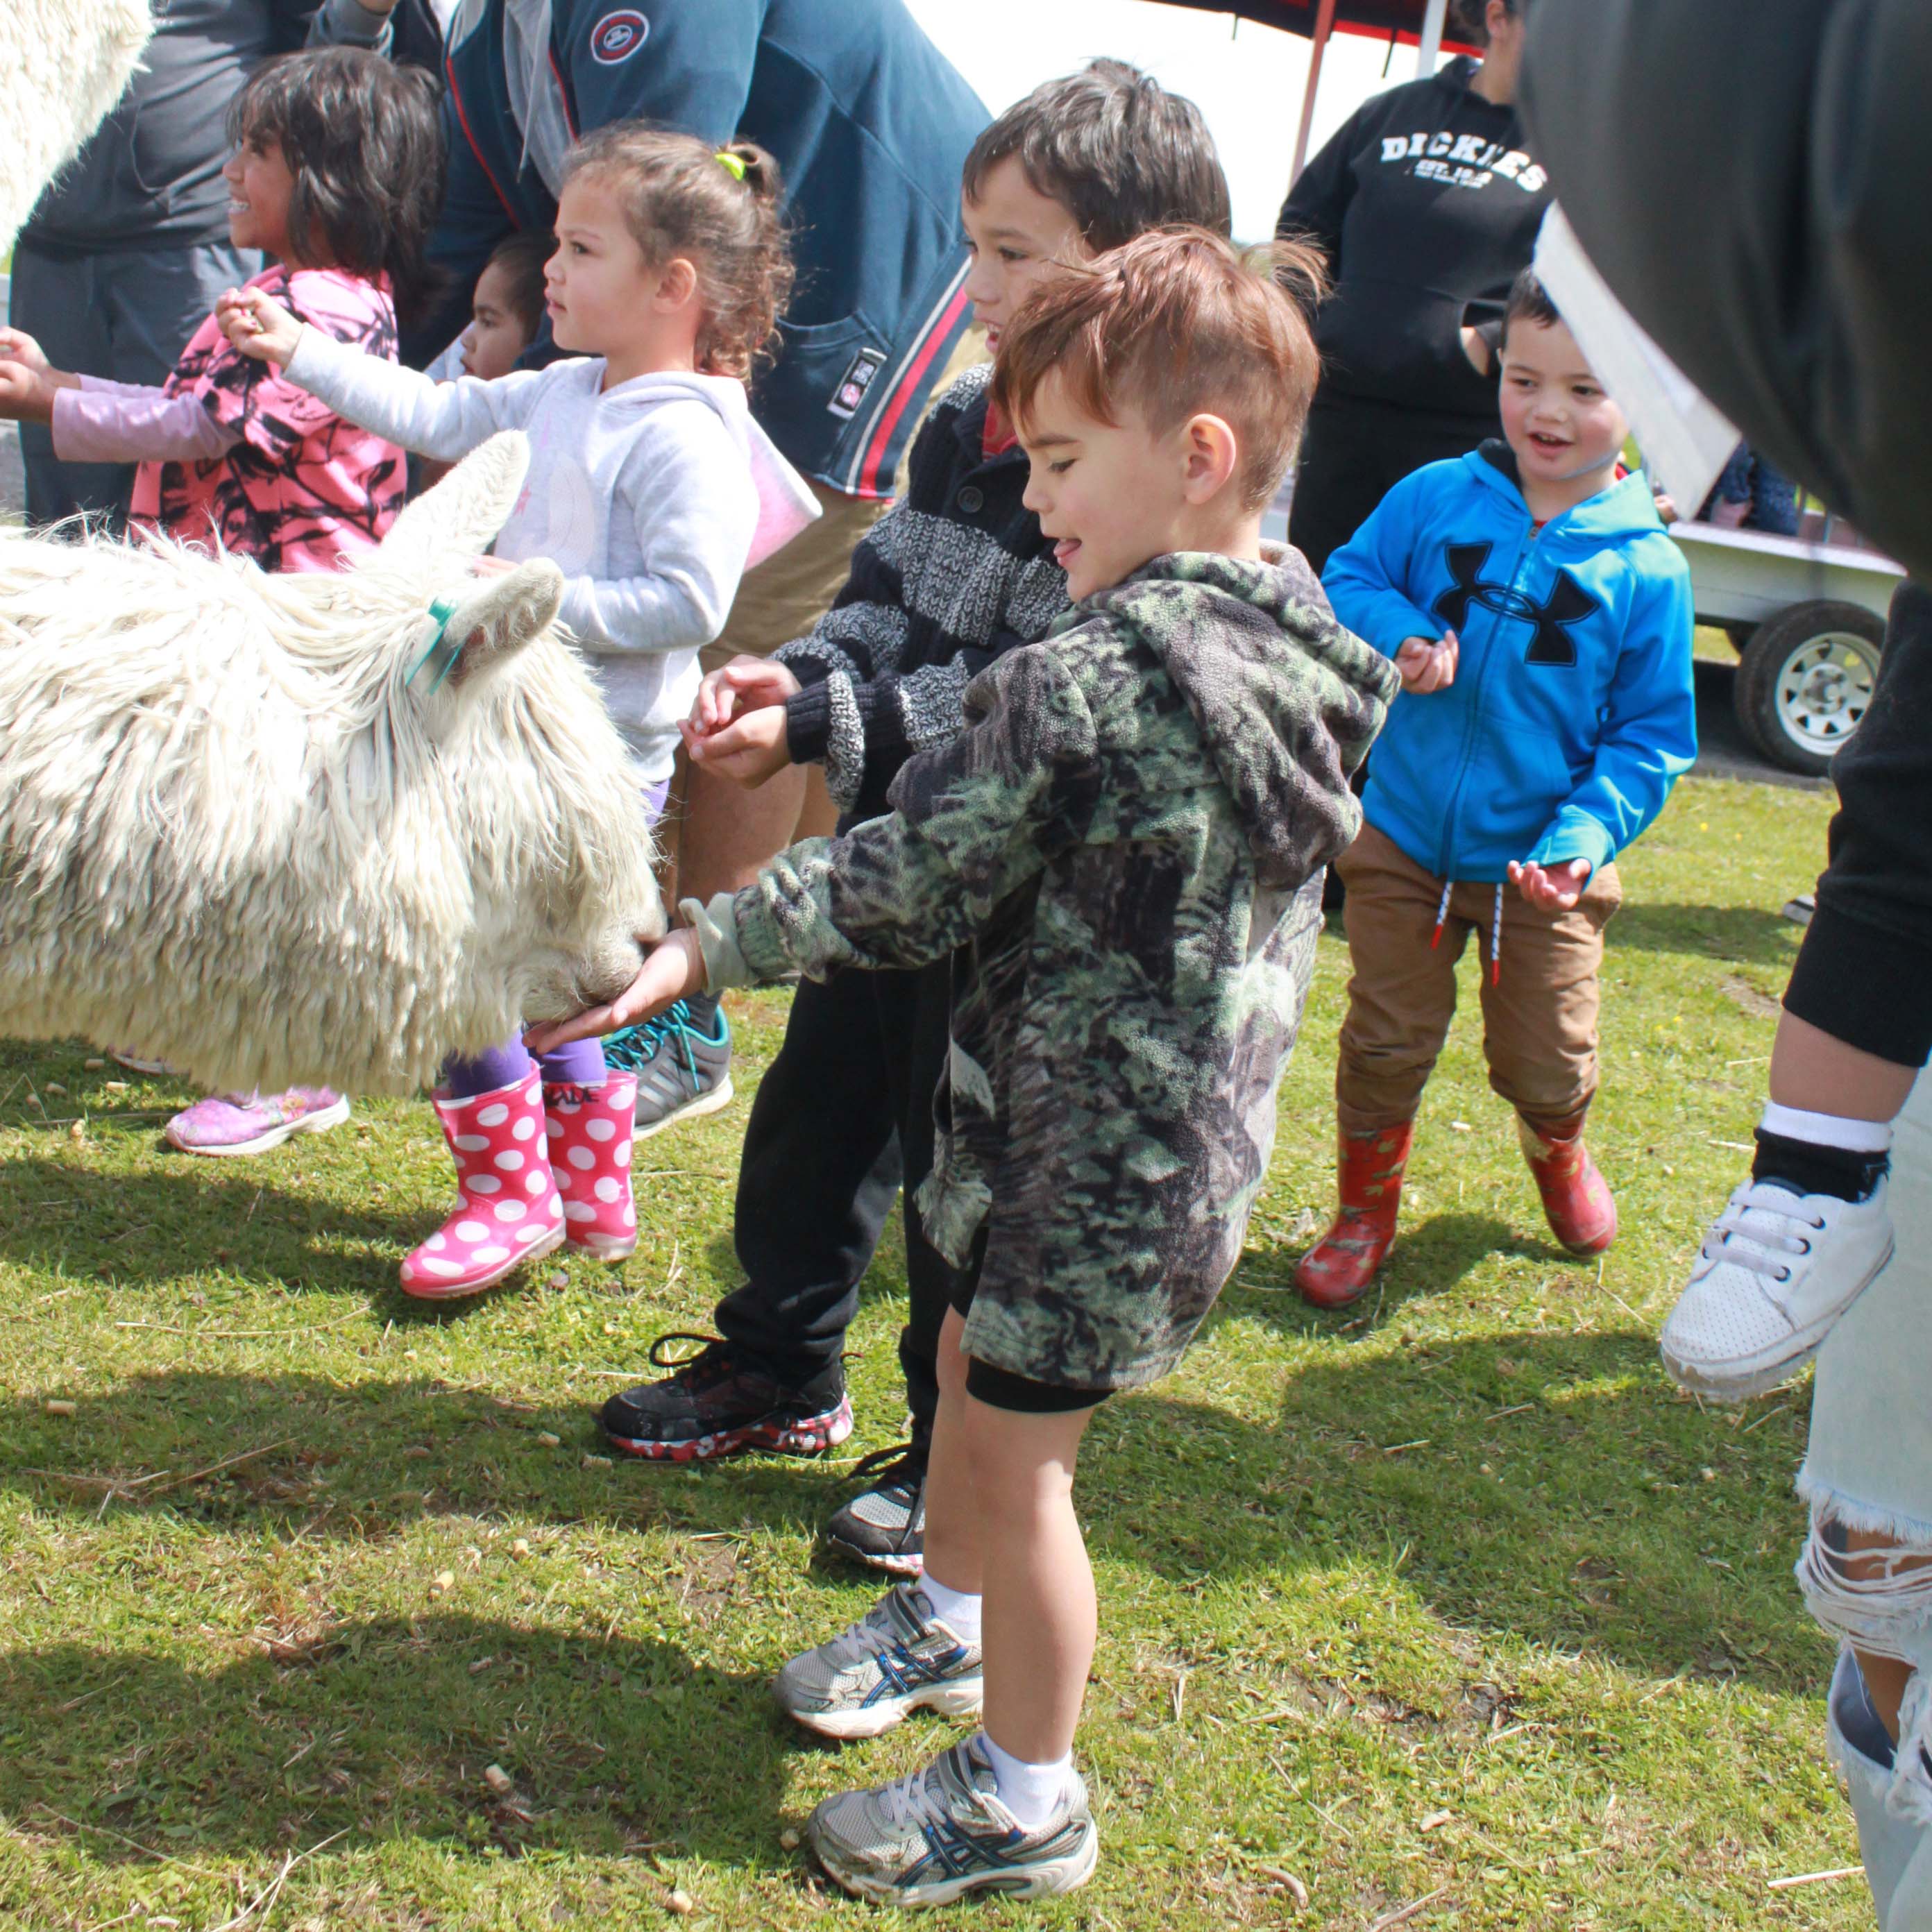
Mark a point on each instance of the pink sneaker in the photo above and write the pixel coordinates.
(590, 1132)
(509, 1212)
(227, 1123)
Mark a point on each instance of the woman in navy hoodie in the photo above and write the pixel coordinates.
(1541, 620)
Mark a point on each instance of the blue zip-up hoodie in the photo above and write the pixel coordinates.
(1572, 714)
(869, 124)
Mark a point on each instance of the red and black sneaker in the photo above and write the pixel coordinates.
(717, 1403)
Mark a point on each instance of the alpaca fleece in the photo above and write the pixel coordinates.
(235, 834)
(63, 64)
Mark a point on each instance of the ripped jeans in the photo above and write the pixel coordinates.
(1869, 1470)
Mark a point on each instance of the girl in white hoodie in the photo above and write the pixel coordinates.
(653, 490)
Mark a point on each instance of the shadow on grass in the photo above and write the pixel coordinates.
(1744, 935)
(362, 1461)
(1550, 1485)
(383, 1728)
(1428, 1259)
(149, 1228)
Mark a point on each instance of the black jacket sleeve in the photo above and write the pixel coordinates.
(1318, 202)
(1776, 237)
(1865, 972)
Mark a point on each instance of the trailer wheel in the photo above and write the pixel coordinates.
(1804, 682)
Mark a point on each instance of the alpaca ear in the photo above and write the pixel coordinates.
(461, 517)
(488, 626)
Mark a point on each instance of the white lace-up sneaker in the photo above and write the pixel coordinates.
(931, 1837)
(898, 1657)
(1773, 1274)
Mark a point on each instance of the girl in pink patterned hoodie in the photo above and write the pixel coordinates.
(336, 174)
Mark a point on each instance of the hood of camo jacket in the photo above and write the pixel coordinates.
(1572, 712)
(1286, 701)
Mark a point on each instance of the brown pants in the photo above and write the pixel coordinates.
(1539, 1020)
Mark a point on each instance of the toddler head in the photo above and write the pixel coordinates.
(690, 229)
(1565, 432)
(338, 162)
(507, 309)
(1159, 392)
(1081, 165)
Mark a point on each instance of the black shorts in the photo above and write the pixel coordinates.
(1001, 1388)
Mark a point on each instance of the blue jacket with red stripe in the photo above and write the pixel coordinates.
(869, 123)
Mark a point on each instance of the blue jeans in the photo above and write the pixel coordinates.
(1869, 1467)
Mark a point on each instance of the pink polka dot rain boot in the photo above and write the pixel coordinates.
(510, 1212)
(590, 1129)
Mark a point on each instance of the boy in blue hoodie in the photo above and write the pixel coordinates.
(1541, 622)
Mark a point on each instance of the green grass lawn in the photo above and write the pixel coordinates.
(1457, 1601)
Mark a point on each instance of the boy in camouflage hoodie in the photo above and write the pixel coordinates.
(1127, 842)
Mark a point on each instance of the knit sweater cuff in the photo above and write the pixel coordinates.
(1857, 982)
(807, 724)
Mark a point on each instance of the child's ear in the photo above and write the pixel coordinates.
(1210, 454)
(677, 284)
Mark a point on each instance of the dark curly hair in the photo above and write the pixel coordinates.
(718, 208)
(363, 140)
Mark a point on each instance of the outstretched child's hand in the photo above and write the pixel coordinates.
(748, 751)
(1551, 888)
(28, 381)
(26, 394)
(1428, 664)
(17, 346)
(672, 969)
(745, 684)
(257, 325)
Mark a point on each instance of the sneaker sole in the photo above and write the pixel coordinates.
(460, 1291)
(812, 1437)
(721, 1095)
(1046, 1880)
(961, 1699)
(894, 1564)
(154, 1068)
(318, 1122)
(1759, 1374)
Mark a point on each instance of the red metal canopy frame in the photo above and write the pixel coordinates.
(1417, 23)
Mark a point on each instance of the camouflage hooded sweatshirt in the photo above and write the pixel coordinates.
(1125, 843)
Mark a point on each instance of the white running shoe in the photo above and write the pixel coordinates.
(935, 1836)
(1773, 1274)
(897, 1658)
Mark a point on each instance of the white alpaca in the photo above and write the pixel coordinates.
(63, 64)
(236, 835)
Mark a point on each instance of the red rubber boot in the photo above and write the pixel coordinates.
(1368, 1178)
(1576, 1199)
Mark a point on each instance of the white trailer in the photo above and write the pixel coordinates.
(1806, 616)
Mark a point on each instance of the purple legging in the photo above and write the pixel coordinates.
(579, 1063)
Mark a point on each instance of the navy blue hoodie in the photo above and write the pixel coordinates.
(869, 124)
(1572, 715)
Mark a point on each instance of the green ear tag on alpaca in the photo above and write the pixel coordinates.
(443, 610)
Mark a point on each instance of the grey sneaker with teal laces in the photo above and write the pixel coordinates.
(683, 1070)
(935, 1836)
(897, 1658)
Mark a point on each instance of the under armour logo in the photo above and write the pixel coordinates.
(1568, 603)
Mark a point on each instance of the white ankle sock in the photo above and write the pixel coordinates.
(1028, 1791)
(1831, 1130)
(958, 1612)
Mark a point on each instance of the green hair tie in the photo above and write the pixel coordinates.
(443, 610)
(734, 165)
